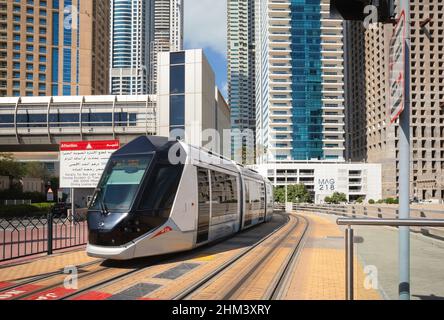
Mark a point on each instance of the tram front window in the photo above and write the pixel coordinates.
(119, 184)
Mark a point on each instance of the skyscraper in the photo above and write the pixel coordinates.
(140, 29)
(54, 47)
(300, 82)
(168, 33)
(131, 33)
(241, 66)
(369, 100)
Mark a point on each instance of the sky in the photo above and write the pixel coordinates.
(206, 27)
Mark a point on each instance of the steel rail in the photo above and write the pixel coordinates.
(195, 287)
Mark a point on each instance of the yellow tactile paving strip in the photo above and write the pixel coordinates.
(320, 271)
(44, 265)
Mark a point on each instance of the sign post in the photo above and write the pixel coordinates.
(400, 108)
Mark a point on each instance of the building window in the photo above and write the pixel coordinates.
(177, 58)
(55, 65)
(177, 79)
(177, 112)
(66, 90)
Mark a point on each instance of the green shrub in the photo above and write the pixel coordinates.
(371, 201)
(391, 201)
(336, 198)
(14, 194)
(25, 210)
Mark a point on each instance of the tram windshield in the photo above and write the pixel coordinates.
(119, 183)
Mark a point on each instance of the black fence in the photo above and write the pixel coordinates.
(26, 236)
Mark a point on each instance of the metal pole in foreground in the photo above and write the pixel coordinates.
(349, 263)
(404, 170)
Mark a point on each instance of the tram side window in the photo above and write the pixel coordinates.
(161, 188)
(224, 194)
(256, 196)
(262, 196)
(269, 199)
(203, 191)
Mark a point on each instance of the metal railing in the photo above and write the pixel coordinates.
(349, 240)
(25, 236)
(380, 212)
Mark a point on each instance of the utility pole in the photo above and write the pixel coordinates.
(404, 168)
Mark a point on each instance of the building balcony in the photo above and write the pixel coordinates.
(329, 99)
(281, 124)
(275, 107)
(332, 82)
(333, 116)
(338, 36)
(281, 140)
(275, 132)
(333, 75)
(333, 92)
(286, 99)
(333, 140)
(330, 124)
(338, 148)
(278, 27)
(278, 4)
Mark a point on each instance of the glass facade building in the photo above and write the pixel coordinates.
(241, 71)
(131, 33)
(41, 43)
(300, 91)
(306, 89)
(140, 29)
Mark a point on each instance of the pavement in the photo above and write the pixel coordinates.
(376, 262)
(320, 270)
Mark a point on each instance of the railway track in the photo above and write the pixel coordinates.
(95, 275)
(182, 256)
(262, 272)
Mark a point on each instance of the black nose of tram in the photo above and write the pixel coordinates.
(136, 191)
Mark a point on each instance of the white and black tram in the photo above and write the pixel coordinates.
(158, 196)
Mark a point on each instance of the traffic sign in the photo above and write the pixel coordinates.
(397, 69)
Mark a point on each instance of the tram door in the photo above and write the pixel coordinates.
(203, 191)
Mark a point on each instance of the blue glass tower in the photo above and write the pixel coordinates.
(306, 79)
(300, 82)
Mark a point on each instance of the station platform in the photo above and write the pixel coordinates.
(297, 256)
(320, 270)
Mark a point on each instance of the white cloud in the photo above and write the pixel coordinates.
(206, 24)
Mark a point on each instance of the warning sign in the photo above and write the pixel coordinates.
(82, 163)
(397, 69)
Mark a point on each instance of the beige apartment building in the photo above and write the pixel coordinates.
(369, 135)
(54, 47)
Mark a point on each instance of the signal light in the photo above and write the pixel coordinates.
(355, 9)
